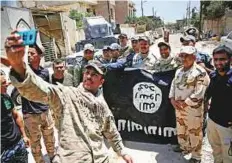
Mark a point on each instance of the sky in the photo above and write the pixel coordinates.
(168, 10)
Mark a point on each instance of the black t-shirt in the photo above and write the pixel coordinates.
(10, 133)
(220, 92)
(35, 107)
(54, 80)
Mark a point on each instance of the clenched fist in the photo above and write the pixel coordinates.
(15, 52)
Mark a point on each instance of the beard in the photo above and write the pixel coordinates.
(225, 68)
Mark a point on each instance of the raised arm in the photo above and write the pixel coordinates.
(28, 84)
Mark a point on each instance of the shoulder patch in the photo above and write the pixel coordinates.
(8, 104)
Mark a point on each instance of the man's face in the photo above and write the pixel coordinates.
(123, 41)
(221, 62)
(187, 59)
(59, 68)
(115, 54)
(144, 46)
(135, 44)
(88, 55)
(185, 43)
(164, 51)
(4, 83)
(33, 56)
(192, 43)
(106, 54)
(92, 80)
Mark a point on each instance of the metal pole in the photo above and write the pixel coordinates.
(142, 7)
(153, 12)
(200, 24)
(108, 5)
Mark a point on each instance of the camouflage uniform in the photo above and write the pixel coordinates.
(190, 86)
(124, 52)
(77, 70)
(34, 125)
(82, 119)
(144, 63)
(166, 64)
(68, 80)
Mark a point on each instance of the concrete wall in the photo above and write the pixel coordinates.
(221, 26)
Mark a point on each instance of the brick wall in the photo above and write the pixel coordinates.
(121, 11)
(102, 9)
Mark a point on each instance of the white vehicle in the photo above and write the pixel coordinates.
(76, 58)
(227, 40)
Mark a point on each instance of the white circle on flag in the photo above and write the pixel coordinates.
(147, 97)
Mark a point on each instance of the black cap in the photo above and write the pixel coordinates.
(122, 35)
(164, 44)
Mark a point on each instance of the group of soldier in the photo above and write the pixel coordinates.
(74, 102)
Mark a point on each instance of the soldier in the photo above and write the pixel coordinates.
(60, 75)
(167, 61)
(145, 58)
(82, 116)
(37, 116)
(219, 129)
(106, 56)
(13, 137)
(115, 52)
(125, 48)
(78, 69)
(186, 94)
(203, 59)
(135, 45)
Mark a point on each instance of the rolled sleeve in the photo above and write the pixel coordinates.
(196, 98)
(172, 90)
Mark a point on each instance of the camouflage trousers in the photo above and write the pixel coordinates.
(189, 130)
(37, 125)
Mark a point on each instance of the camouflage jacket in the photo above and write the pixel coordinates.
(77, 70)
(124, 52)
(82, 119)
(190, 85)
(166, 64)
(144, 63)
(68, 79)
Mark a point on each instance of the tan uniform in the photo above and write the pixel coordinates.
(82, 119)
(144, 63)
(190, 86)
(35, 124)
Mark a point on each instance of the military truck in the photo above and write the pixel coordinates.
(97, 32)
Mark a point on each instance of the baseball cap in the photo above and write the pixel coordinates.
(122, 35)
(188, 38)
(135, 38)
(145, 38)
(89, 47)
(115, 46)
(106, 47)
(164, 44)
(188, 50)
(97, 66)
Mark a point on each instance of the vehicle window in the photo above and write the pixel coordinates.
(230, 36)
